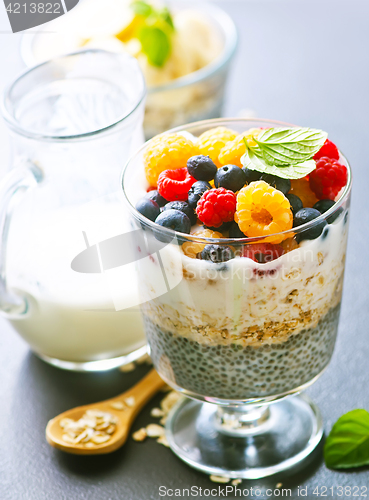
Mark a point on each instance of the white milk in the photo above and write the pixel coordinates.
(71, 315)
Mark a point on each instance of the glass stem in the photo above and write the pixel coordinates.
(241, 420)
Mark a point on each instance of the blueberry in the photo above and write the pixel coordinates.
(196, 191)
(216, 253)
(201, 167)
(156, 196)
(252, 175)
(235, 231)
(283, 185)
(174, 219)
(302, 217)
(230, 177)
(184, 207)
(295, 202)
(324, 206)
(325, 232)
(148, 208)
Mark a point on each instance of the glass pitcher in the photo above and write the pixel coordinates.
(73, 122)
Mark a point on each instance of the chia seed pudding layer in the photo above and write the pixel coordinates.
(234, 371)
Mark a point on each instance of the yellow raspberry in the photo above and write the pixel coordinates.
(289, 245)
(192, 248)
(263, 210)
(301, 188)
(233, 150)
(167, 152)
(212, 141)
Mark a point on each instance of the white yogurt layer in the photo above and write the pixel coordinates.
(71, 315)
(243, 301)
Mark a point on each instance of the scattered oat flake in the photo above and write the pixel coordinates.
(65, 421)
(235, 482)
(163, 440)
(130, 401)
(99, 439)
(144, 359)
(83, 436)
(169, 401)
(219, 479)
(140, 435)
(117, 405)
(154, 430)
(129, 367)
(163, 420)
(67, 438)
(157, 412)
(94, 427)
(279, 485)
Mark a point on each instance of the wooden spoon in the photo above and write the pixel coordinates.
(137, 397)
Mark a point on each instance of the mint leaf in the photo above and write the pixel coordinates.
(167, 18)
(141, 8)
(348, 442)
(253, 161)
(289, 146)
(155, 44)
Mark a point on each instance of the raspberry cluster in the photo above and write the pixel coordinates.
(329, 177)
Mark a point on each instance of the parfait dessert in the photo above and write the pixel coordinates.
(253, 226)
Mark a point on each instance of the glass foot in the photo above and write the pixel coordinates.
(100, 365)
(247, 442)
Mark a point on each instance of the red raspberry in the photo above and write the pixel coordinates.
(328, 149)
(174, 185)
(262, 252)
(328, 178)
(216, 206)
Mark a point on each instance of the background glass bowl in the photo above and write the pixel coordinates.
(196, 96)
(241, 334)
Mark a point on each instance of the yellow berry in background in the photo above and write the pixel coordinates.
(301, 188)
(212, 141)
(166, 152)
(263, 210)
(289, 245)
(232, 152)
(192, 248)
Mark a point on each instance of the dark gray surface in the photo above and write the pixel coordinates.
(305, 62)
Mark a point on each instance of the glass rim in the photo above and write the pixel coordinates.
(14, 124)
(230, 44)
(231, 241)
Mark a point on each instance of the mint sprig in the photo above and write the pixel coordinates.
(155, 32)
(253, 162)
(285, 152)
(141, 8)
(347, 445)
(155, 44)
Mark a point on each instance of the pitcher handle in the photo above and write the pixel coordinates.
(18, 181)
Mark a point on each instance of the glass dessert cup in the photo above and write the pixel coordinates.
(241, 338)
(73, 122)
